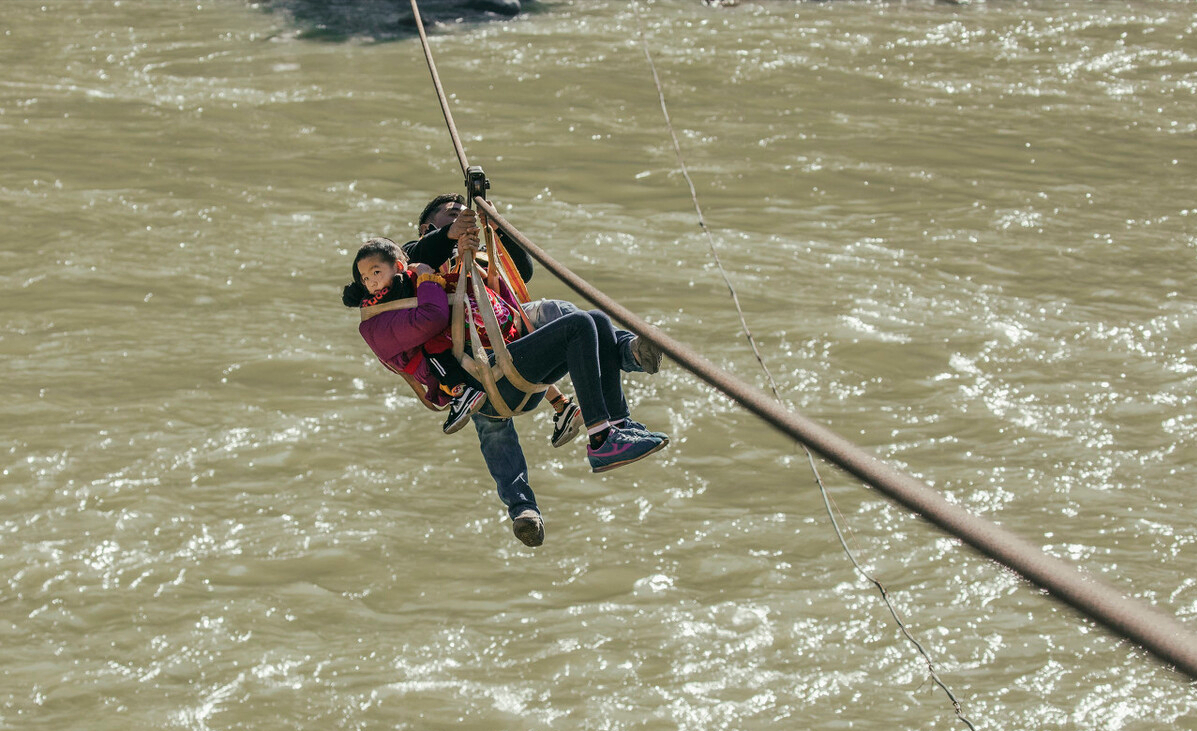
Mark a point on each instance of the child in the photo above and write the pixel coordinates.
(579, 344)
(378, 277)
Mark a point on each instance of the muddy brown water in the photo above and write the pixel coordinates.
(964, 237)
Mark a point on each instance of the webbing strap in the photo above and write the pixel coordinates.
(403, 304)
(485, 373)
(506, 267)
(502, 356)
(492, 271)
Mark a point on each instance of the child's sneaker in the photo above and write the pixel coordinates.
(462, 408)
(637, 426)
(567, 424)
(623, 446)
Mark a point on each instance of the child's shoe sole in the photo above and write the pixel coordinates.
(475, 406)
(571, 425)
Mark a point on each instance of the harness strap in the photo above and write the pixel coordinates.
(502, 356)
(508, 272)
(483, 371)
(506, 267)
(403, 304)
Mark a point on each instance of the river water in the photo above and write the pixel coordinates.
(964, 236)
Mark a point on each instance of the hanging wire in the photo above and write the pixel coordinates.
(827, 502)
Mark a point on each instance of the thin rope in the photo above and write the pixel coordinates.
(827, 502)
(677, 148)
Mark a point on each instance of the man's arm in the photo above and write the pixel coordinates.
(438, 246)
(434, 248)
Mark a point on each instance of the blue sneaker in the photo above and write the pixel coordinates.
(623, 446)
(637, 426)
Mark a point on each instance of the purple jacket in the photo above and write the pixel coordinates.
(396, 336)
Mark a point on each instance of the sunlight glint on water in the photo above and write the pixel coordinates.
(963, 237)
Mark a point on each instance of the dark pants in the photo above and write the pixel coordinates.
(497, 437)
(582, 344)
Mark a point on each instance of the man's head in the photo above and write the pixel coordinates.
(441, 211)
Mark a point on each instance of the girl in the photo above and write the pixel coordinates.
(379, 277)
(581, 344)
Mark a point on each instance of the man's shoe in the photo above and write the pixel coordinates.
(462, 408)
(647, 354)
(567, 424)
(637, 426)
(623, 446)
(529, 528)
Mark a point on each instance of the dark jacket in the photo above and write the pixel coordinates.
(436, 248)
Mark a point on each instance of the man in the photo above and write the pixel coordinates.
(443, 222)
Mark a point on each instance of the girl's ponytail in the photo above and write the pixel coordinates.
(353, 294)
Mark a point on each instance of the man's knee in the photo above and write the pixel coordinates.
(542, 312)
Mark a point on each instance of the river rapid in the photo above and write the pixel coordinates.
(964, 237)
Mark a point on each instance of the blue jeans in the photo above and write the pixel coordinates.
(497, 438)
(505, 460)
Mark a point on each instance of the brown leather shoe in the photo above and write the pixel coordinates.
(647, 354)
(529, 528)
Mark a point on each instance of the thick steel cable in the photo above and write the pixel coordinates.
(1158, 633)
(827, 502)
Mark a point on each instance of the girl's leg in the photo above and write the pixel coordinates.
(566, 345)
(609, 359)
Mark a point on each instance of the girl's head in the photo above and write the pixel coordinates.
(374, 268)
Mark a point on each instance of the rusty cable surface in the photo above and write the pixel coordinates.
(1157, 632)
(1150, 628)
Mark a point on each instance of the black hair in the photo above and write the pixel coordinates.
(383, 248)
(430, 209)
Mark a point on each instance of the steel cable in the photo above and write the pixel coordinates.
(1152, 629)
(440, 90)
(1162, 635)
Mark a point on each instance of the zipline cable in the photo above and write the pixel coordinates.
(827, 502)
(1162, 635)
(1157, 632)
(440, 90)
